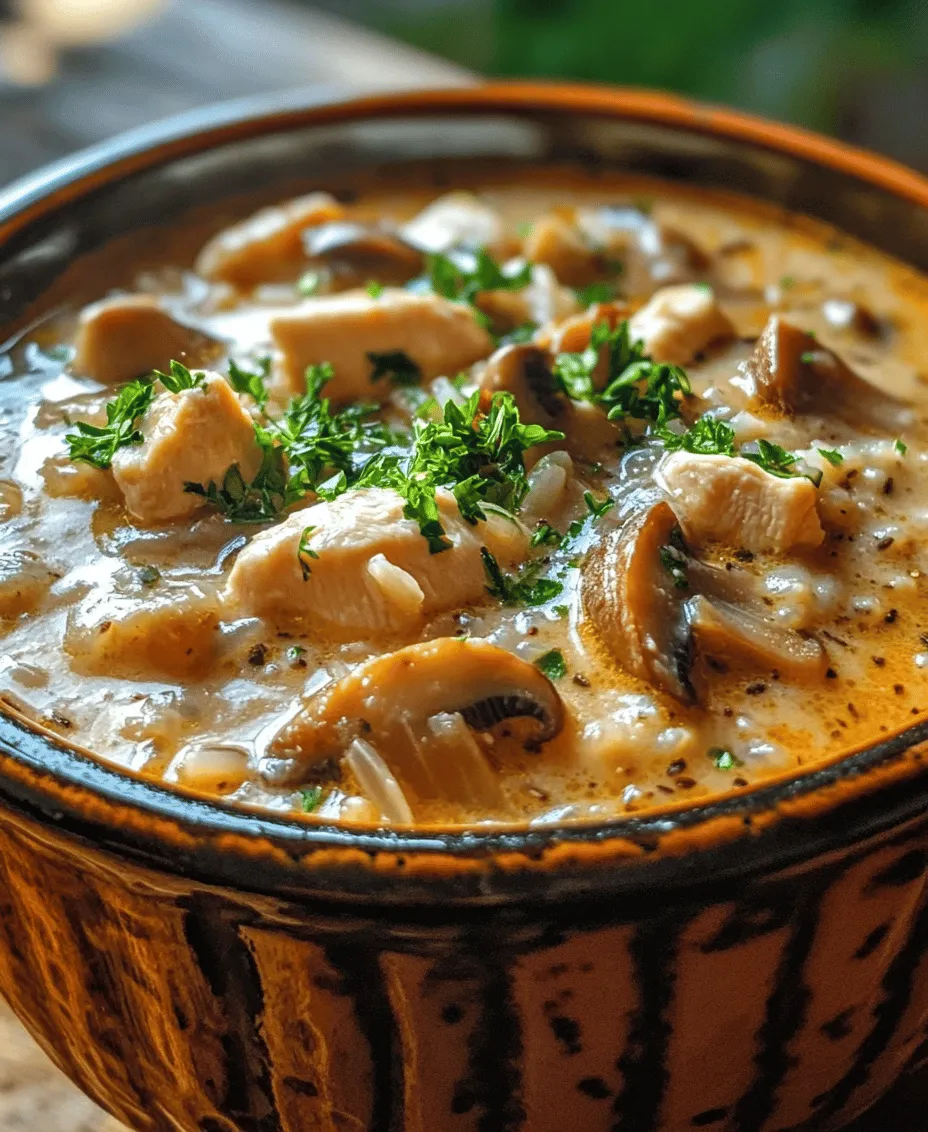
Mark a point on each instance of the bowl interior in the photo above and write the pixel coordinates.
(157, 176)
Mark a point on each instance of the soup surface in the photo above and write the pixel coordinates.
(541, 499)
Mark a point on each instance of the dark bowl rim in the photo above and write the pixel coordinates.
(55, 782)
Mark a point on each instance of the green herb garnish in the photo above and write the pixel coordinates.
(251, 382)
(311, 797)
(900, 446)
(553, 664)
(526, 588)
(707, 436)
(724, 759)
(96, 444)
(595, 293)
(308, 284)
(304, 551)
(545, 535)
(832, 455)
(178, 378)
(597, 507)
(772, 458)
(260, 501)
(674, 559)
(374, 289)
(635, 386)
(462, 279)
(149, 575)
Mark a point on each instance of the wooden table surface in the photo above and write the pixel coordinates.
(202, 51)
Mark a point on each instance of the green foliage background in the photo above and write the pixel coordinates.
(794, 59)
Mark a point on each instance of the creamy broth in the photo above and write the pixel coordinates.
(722, 583)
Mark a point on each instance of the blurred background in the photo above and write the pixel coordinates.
(75, 71)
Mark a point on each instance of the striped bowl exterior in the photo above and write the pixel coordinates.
(793, 1003)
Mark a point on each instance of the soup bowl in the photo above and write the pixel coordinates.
(756, 962)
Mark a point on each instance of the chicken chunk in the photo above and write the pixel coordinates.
(122, 338)
(171, 634)
(440, 336)
(24, 582)
(559, 244)
(192, 436)
(268, 246)
(455, 220)
(733, 501)
(374, 575)
(677, 323)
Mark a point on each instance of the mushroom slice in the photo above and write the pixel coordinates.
(634, 604)
(732, 634)
(672, 620)
(359, 252)
(791, 372)
(524, 370)
(403, 704)
(267, 246)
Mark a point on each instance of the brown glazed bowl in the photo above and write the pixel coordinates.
(756, 963)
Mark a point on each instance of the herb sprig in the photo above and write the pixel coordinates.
(634, 387)
(98, 444)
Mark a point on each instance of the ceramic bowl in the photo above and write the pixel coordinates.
(753, 964)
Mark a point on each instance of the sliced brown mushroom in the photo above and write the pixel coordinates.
(405, 705)
(666, 254)
(791, 372)
(670, 619)
(525, 372)
(356, 253)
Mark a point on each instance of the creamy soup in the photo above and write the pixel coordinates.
(542, 500)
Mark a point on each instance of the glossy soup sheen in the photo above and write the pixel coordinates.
(722, 583)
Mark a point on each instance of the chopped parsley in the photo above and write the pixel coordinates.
(396, 366)
(519, 335)
(311, 796)
(635, 387)
(464, 277)
(807, 357)
(308, 284)
(597, 507)
(149, 575)
(595, 293)
(179, 378)
(832, 455)
(724, 759)
(295, 654)
(480, 457)
(772, 458)
(900, 446)
(707, 436)
(251, 382)
(240, 502)
(553, 664)
(526, 588)
(545, 535)
(374, 289)
(98, 444)
(304, 551)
